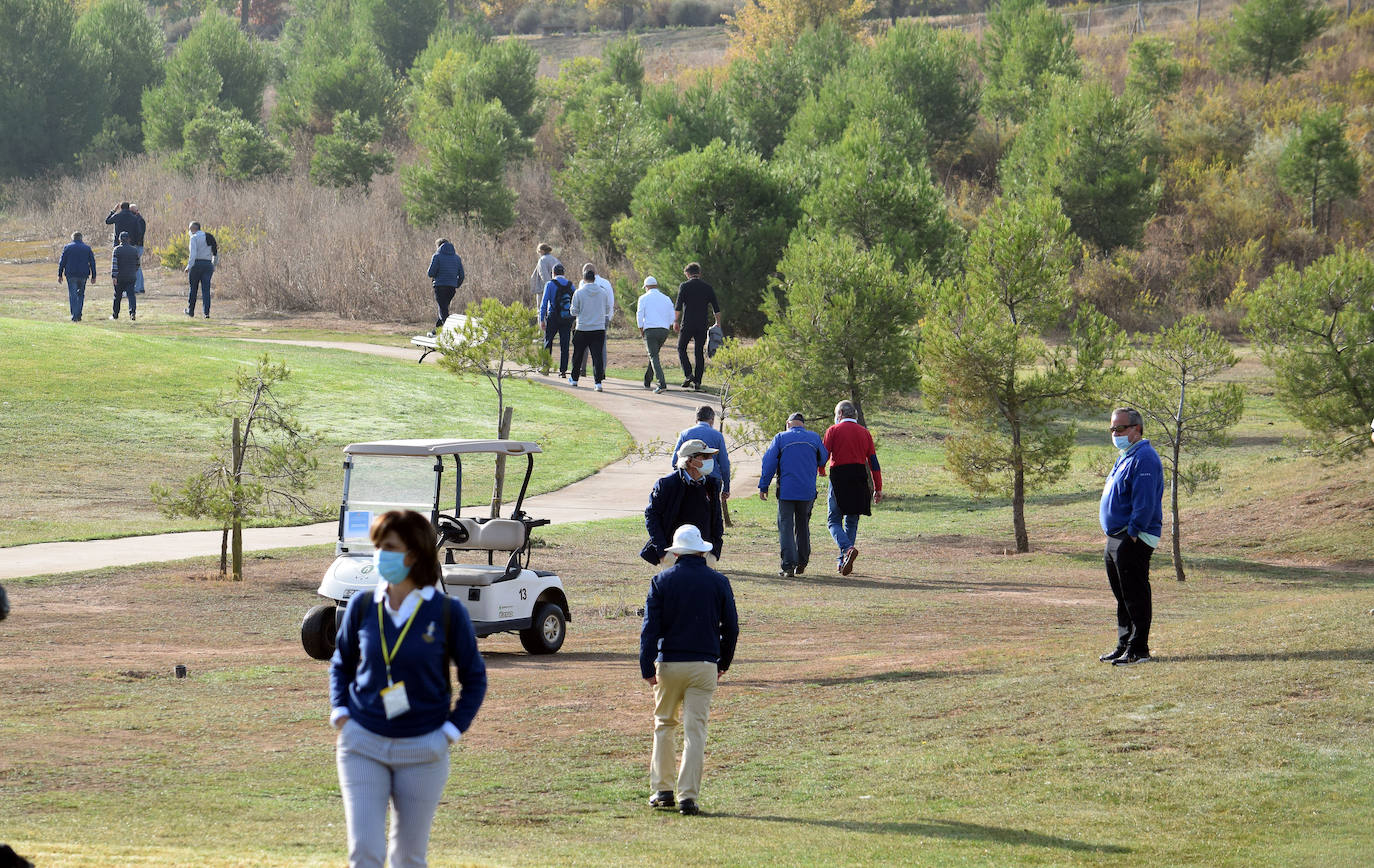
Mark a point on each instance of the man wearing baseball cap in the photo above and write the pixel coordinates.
(688, 495)
(687, 642)
(796, 456)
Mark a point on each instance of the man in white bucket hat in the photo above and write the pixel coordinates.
(686, 644)
(688, 495)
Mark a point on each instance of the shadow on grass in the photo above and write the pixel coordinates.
(1322, 654)
(950, 829)
(897, 675)
(1336, 575)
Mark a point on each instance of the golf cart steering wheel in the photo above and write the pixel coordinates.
(451, 530)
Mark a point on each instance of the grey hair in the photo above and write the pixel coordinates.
(705, 413)
(846, 410)
(1132, 415)
(76, 236)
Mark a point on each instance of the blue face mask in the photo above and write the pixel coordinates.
(1121, 441)
(391, 566)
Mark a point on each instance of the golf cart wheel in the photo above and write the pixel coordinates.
(318, 632)
(546, 631)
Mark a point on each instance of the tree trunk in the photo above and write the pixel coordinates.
(237, 526)
(502, 432)
(224, 552)
(244, 7)
(1173, 505)
(1018, 492)
(451, 16)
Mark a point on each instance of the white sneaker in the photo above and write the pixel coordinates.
(598, 388)
(572, 382)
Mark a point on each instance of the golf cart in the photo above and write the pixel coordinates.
(502, 594)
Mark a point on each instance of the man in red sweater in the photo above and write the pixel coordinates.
(856, 481)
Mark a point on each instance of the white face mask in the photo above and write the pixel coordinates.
(707, 465)
(1121, 441)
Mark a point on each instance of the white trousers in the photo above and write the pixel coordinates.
(407, 773)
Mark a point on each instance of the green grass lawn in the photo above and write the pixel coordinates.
(92, 416)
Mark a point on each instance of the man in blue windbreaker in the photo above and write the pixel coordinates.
(77, 265)
(1132, 516)
(796, 455)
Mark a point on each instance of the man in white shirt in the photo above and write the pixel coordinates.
(592, 306)
(654, 316)
(200, 265)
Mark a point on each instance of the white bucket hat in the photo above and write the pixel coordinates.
(687, 541)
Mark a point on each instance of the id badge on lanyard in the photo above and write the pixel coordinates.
(394, 699)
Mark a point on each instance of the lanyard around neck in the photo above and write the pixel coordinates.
(390, 654)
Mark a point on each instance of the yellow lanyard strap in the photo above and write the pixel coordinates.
(390, 654)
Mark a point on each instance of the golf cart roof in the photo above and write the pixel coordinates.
(422, 448)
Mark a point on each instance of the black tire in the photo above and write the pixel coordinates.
(546, 631)
(318, 631)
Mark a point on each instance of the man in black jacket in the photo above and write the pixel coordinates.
(123, 219)
(688, 495)
(123, 272)
(696, 301)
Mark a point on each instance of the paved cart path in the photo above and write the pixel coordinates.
(617, 490)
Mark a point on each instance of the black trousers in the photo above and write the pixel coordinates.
(443, 297)
(1128, 572)
(689, 372)
(593, 342)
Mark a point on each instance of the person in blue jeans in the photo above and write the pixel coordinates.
(200, 267)
(391, 696)
(77, 265)
(796, 456)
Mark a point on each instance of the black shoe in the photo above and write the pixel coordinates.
(1112, 655)
(662, 799)
(132, 316)
(687, 383)
(190, 313)
(798, 569)
(115, 316)
(648, 379)
(1130, 658)
(785, 573)
(207, 314)
(688, 808)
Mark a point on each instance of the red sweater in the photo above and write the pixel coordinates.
(850, 443)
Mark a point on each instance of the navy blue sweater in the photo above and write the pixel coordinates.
(78, 261)
(689, 615)
(124, 264)
(357, 672)
(124, 221)
(445, 267)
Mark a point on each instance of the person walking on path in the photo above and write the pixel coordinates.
(543, 270)
(136, 239)
(702, 430)
(555, 316)
(856, 481)
(77, 265)
(796, 455)
(688, 495)
(654, 315)
(391, 698)
(200, 267)
(593, 305)
(124, 264)
(1132, 516)
(124, 219)
(695, 302)
(446, 275)
(687, 642)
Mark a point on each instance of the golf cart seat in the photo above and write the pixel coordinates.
(495, 535)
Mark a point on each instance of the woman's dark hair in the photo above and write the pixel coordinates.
(418, 538)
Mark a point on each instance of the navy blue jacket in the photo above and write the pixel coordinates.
(357, 672)
(796, 456)
(445, 267)
(689, 616)
(124, 264)
(124, 221)
(675, 502)
(137, 237)
(77, 261)
(1132, 499)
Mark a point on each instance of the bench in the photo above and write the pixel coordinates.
(493, 535)
(429, 343)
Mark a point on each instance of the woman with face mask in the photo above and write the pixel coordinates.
(391, 695)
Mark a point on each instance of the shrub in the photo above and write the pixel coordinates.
(691, 13)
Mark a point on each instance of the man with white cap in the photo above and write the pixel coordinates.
(795, 456)
(688, 495)
(687, 642)
(654, 316)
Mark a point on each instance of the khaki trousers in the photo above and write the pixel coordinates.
(683, 689)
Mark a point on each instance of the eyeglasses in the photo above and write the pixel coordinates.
(1117, 429)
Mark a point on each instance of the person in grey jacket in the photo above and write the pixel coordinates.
(593, 305)
(543, 270)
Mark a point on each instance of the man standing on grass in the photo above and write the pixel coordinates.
(856, 481)
(77, 264)
(720, 467)
(200, 267)
(796, 455)
(123, 271)
(654, 316)
(688, 495)
(686, 643)
(1132, 517)
(695, 302)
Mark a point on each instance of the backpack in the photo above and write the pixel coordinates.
(562, 299)
(214, 245)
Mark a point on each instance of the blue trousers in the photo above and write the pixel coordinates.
(562, 331)
(407, 773)
(122, 289)
(794, 532)
(199, 279)
(844, 529)
(76, 296)
(138, 275)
